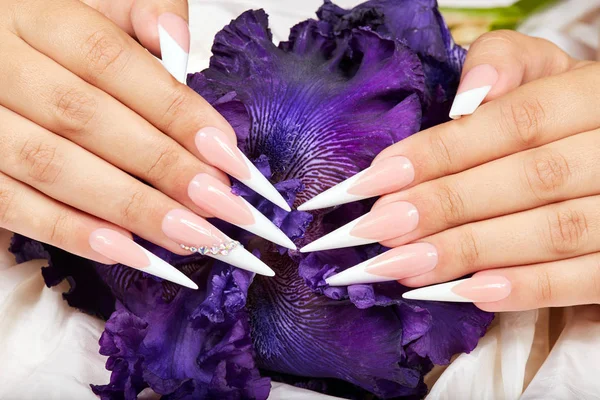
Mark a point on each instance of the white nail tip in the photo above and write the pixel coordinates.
(335, 195)
(467, 102)
(441, 292)
(355, 275)
(262, 186)
(337, 239)
(164, 270)
(243, 259)
(263, 227)
(174, 58)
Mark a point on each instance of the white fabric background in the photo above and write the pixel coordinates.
(50, 351)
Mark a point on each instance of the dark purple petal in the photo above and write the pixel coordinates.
(418, 24)
(299, 332)
(183, 343)
(88, 292)
(319, 115)
(311, 112)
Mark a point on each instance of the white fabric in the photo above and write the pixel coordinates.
(50, 351)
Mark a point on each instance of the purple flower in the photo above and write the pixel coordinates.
(310, 112)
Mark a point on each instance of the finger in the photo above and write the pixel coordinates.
(500, 61)
(89, 117)
(71, 175)
(556, 284)
(103, 55)
(562, 170)
(28, 212)
(534, 114)
(142, 18)
(553, 232)
(80, 112)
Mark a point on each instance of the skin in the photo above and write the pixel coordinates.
(513, 189)
(79, 120)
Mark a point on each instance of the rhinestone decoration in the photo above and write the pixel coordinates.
(223, 249)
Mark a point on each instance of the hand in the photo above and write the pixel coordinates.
(509, 194)
(85, 109)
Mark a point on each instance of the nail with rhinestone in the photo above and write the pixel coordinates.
(185, 227)
(215, 197)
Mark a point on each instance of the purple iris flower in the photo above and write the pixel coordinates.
(310, 112)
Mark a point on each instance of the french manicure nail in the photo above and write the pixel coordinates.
(174, 38)
(383, 223)
(478, 289)
(217, 149)
(386, 176)
(214, 196)
(472, 90)
(197, 235)
(399, 263)
(123, 250)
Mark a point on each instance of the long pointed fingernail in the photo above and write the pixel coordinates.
(478, 289)
(473, 89)
(174, 38)
(385, 176)
(214, 196)
(218, 150)
(123, 250)
(198, 235)
(399, 263)
(383, 223)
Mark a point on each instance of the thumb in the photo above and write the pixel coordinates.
(501, 61)
(161, 26)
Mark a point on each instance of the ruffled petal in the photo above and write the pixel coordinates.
(418, 24)
(299, 332)
(318, 114)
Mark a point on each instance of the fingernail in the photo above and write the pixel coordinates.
(383, 223)
(214, 196)
(123, 250)
(174, 38)
(218, 150)
(195, 234)
(478, 289)
(399, 263)
(386, 176)
(472, 90)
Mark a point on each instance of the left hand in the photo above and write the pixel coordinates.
(511, 193)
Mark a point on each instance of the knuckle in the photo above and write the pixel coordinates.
(546, 172)
(164, 163)
(498, 42)
(523, 121)
(73, 110)
(441, 151)
(105, 53)
(42, 161)
(7, 194)
(59, 230)
(134, 210)
(178, 106)
(567, 231)
(450, 204)
(468, 250)
(543, 294)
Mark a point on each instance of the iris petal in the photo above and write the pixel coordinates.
(310, 112)
(322, 110)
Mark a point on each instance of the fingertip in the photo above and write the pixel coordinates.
(147, 16)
